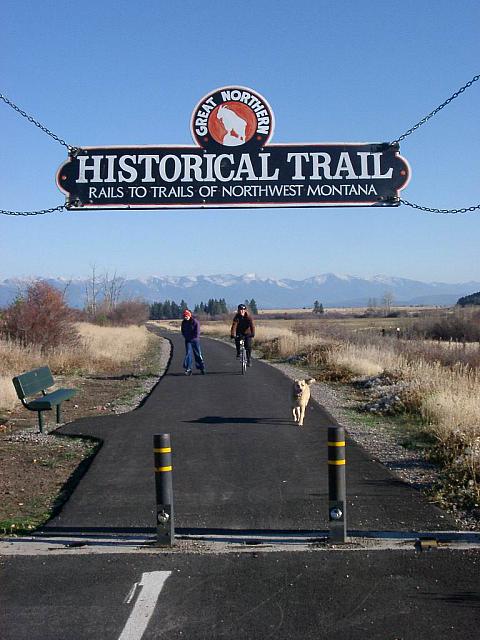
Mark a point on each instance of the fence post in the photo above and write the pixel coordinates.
(337, 501)
(164, 489)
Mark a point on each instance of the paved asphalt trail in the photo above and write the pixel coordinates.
(239, 462)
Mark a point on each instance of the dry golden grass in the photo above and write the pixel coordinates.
(447, 398)
(115, 344)
(101, 349)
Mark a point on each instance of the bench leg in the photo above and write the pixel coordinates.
(59, 413)
(40, 421)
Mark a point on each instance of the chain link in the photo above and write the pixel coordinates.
(60, 207)
(433, 210)
(435, 111)
(71, 150)
(33, 121)
(414, 128)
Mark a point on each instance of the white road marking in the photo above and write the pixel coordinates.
(152, 584)
(131, 593)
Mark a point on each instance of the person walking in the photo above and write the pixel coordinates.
(243, 327)
(191, 333)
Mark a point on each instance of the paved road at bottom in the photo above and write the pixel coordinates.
(351, 595)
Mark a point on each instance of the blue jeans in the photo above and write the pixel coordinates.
(193, 347)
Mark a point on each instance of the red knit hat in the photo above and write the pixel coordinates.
(187, 314)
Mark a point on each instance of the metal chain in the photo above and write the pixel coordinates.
(61, 207)
(435, 111)
(71, 149)
(33, 121)
(433, 210)
(419, 124)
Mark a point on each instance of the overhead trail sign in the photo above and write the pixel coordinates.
(233, 164)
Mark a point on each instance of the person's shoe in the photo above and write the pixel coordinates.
(203, 372)
(188, 372)
(249, 363)
(238, 356)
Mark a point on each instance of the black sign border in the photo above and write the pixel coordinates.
(70, 204)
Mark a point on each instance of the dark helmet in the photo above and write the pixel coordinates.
(241, 307)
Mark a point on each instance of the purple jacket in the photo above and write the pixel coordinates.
(190, 329)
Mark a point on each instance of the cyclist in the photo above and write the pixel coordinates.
(243, 327)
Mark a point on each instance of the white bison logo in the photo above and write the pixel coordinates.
(234, 125)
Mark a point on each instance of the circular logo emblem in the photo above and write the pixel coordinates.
(232, 117)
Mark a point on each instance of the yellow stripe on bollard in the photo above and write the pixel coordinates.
(162, 469)
(337, 462)
(163, 450)
(336, 444)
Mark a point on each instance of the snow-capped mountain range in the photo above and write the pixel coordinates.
(330, 289)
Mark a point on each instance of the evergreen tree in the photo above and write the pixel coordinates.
(253, 307)
(318, 308)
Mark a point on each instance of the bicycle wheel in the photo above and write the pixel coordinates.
(243, 358)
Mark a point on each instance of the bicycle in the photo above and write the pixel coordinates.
(243, 356)
(242, 353)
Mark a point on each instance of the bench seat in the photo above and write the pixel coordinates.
(50, 400)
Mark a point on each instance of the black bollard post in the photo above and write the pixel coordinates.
(164, 489)
(337, 501)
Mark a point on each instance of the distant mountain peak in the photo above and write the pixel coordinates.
(330, 289)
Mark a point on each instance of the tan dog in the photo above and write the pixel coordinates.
(300, 398)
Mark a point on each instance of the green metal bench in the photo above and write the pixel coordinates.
(39, 380)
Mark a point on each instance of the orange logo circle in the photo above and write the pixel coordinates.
(232, 124)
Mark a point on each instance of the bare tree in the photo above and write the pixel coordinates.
(65, 288)
(92, 292)
(371, 309)
(387, 302)
(112, 289)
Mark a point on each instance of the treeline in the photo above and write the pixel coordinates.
(473, 299)
(168, 310)
(219, 307)
(171, 310)
(212, 308)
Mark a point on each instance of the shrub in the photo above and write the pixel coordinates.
(40, 317)
(128, 313)
(462, 325)
(123, 314)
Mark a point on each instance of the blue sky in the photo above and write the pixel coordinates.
(112, 73)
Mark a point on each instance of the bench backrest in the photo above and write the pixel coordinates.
(31, 382)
